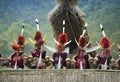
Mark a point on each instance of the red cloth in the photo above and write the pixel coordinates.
(17, 56)
(63, 58)
(36, 53)
(102, 58)
(102, 61)
(106, 52)
(81, 58)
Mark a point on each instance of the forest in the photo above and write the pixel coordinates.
(13, 13)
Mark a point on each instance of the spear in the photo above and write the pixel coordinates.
(15, 67)
(105, 65)
(59, 63)
(39, 60)
(81, 67)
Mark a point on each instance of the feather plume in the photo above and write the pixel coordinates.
(21, 40)
(62, 38)
(82, 42)
(37, 36)
(105, 43)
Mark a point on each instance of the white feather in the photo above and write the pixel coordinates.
(36, 20)
(63, 22)
(54, 50)
(88, 50)
(50, 49)
(37, 25)
(83, 33)
(86, 24)
(84, 29)
(103, 32)
(67, 50)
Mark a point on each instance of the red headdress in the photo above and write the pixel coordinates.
(21, 40)
(38, 36)
(62, 39)
(105, 42)
(40, 42)
(82, 40)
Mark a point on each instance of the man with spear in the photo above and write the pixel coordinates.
(81, 57)
(38, 53)
(17, 57)
(104, 56)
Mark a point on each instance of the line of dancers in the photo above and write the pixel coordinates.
(60, 57)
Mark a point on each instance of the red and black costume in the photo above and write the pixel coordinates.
(84, 58)
(81, 54)
(17, 55)
(16, 58)
(38, 43)
(37, 53)
(104, 56)
(63, 58)
(60, 54)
